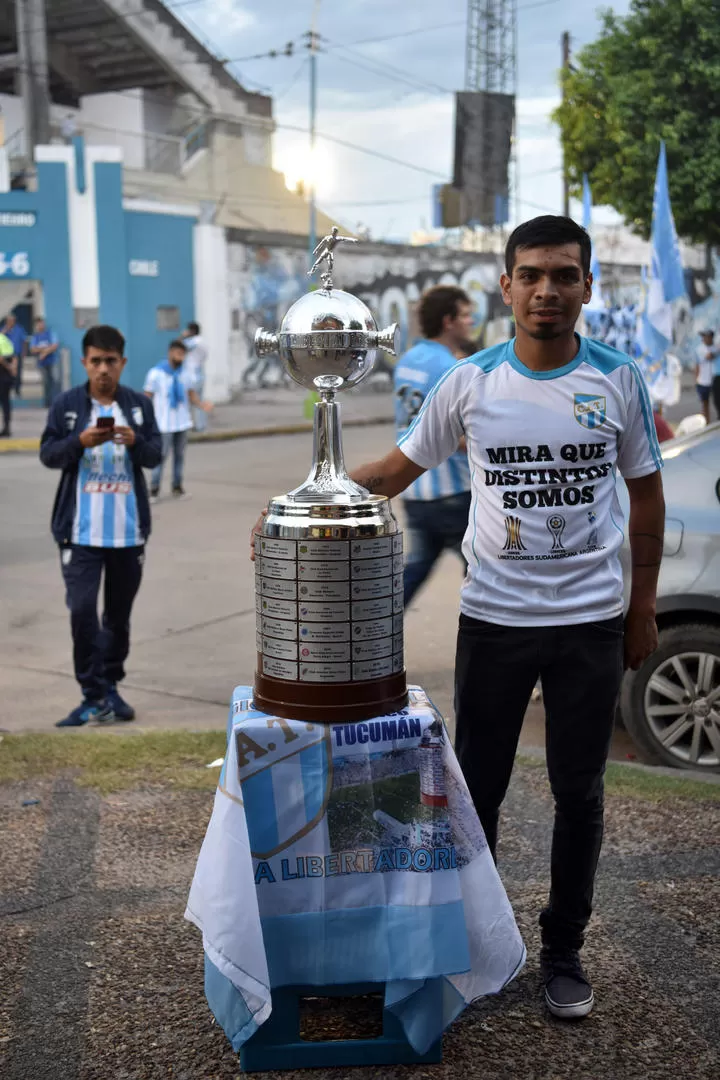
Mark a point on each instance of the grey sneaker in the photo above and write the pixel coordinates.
(568, 993)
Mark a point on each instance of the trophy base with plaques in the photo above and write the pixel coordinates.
(329, 597)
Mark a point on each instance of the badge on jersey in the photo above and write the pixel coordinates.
(590, 410)
(137, 415)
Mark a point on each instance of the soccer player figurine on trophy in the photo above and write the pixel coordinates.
(328, 558)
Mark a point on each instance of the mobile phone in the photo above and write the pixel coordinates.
(106, 421)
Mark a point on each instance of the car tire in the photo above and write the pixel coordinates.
(687, 744)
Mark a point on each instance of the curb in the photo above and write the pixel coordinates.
(17, 446)
(14, 446)
(538, 753)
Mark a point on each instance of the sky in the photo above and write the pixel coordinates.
(386, 76)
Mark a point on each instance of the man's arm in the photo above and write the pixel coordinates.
(58, 450)
(388, 476)
(197, 401)
(646, 530)
(145, 444)
(10, 363)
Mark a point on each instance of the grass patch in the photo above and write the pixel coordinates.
(628, 781)
(632, 782)
(109, 762)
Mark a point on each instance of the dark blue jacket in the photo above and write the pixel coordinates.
(60, 448)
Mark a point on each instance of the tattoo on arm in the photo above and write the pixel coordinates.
(372, 483)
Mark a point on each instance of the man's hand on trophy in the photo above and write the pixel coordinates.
(254, 531)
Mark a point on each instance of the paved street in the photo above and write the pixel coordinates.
(194, 621)
(193, 631)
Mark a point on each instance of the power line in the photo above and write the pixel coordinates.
(365, 150)
(404, 33)
(389, 71)
(293, 81)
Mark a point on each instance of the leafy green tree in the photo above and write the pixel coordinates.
(653, 74)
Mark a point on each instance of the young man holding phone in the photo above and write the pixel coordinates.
(102, 435)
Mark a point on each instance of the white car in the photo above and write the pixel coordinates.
(671, 705)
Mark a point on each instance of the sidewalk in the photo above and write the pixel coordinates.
(280, 410)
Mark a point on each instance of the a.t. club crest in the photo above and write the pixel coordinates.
(590, 410)
(284, 802)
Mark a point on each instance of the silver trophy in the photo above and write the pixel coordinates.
(328, 560)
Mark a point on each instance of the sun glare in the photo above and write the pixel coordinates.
(301, 168)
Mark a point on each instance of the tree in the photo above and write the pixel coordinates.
(652, 75)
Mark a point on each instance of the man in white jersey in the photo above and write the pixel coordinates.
(549, 419)
(102, 435)
(195, 363)
(438, 503)
(172, 387)
(704, 369)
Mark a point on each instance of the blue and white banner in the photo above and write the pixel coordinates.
(348, 853)
(664, 285)
(597, 302)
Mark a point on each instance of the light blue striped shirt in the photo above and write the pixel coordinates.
(106, 513)
(416, 374)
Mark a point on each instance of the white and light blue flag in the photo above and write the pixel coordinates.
(597, 302)
(348, 853)
(666, 283)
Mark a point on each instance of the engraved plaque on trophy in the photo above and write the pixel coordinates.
(328, 560)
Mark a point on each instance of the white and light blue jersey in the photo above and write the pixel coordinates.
(106, 513)
(415, 375)
(158, 382)
(544, 448)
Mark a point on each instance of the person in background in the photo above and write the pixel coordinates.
(704, 371)
(662, 429)
(195, 363)
(172, 388)
(102, 435)
(8, 374)
(12, 329)
(437, 504)
(44, 346)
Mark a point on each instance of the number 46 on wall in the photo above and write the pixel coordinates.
(14, 264)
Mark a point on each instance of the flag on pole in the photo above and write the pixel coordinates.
(666, 284)
(597, 302)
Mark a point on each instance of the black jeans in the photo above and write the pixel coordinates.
(5, 388)
(716, 394)
(100, 650)
(432, 526)
(581, 669)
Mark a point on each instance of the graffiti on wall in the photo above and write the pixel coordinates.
(266, 281)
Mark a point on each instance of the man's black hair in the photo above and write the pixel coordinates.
(435, 304)
(550, 230)
(194, 328)
(107, 338)
(177, 344)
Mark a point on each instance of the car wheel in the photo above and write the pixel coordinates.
(671, 705)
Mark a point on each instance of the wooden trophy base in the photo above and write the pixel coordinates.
(330, 703)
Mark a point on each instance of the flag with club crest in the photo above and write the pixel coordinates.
(348, 853)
